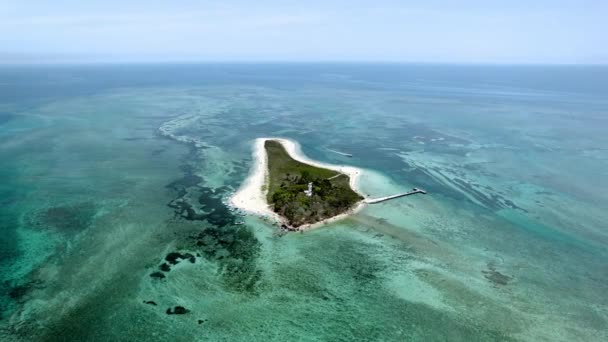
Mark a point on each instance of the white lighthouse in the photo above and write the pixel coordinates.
(309, 191)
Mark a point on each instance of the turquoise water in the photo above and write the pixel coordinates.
(509, 244)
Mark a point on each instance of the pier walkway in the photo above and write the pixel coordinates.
(386, 198)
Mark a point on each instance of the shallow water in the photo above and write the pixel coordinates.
(509, 243)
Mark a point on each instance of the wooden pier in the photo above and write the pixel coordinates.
(386, 198)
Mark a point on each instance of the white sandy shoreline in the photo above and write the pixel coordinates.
(251, 196)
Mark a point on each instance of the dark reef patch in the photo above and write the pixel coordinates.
(234, 247)
(208, 205)
(178, 310)
(210, 202)
(495, 277)
(236, 250)
(175, 258)
(69, 218)
(19, 291)
(158, 275)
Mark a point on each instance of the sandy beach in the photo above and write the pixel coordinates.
(251, 196)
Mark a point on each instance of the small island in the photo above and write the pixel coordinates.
(303, 193)
(295, 191)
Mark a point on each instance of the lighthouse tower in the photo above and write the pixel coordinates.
(309, 191)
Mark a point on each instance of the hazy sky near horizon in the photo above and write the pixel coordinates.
(466, 31)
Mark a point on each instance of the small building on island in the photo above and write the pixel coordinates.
(309, 191)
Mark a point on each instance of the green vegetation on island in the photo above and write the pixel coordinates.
(288, 186)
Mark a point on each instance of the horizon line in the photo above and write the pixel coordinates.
(301, 62)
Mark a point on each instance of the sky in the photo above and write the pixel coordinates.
(430, 31)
